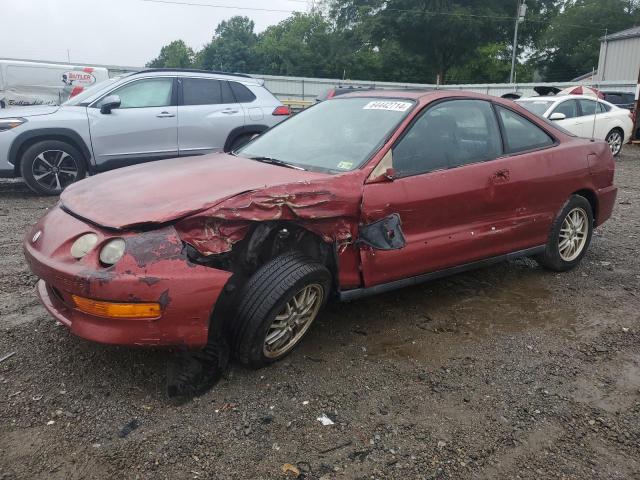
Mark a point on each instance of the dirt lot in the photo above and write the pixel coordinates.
(505, 372)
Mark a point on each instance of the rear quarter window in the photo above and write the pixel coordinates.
(242, 93)
(520, 133)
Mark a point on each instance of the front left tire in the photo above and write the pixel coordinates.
(277, 307)
(49, 166)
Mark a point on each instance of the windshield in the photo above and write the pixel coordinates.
(332, 136)
(91, 91)
(536, 106)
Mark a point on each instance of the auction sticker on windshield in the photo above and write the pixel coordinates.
(387, 105)
(345, 165)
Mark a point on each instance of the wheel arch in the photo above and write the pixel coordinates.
(256, 249)
(592, 198)
(243, 130)
(28, 138)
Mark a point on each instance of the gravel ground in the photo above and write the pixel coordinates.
(505, 372)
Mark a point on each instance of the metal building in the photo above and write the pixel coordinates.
(620, 56)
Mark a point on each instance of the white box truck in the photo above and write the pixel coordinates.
(24, 83)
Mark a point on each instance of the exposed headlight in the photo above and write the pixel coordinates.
(9, 123)
(83, 245)
(112, 251)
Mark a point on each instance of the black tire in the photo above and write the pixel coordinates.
(31, 166)
(551, 258)
(265, 296)
(241, 141)
(619, 134)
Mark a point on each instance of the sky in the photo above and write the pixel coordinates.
(121, 32)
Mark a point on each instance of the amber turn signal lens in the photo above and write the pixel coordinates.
(117, 310)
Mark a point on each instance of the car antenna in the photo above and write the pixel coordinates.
(595, 110)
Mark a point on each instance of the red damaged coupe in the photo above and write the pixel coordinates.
(357, 195)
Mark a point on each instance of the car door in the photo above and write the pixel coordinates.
(572, 121)
(144, 127)
(207, 113)
(596, 119)
(447, 191)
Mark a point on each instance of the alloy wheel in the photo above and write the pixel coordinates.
(293, 321)
(573, 234)
(614, 139)
(54, 170)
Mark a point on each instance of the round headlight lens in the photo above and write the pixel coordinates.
(83, 245)
(112, 251)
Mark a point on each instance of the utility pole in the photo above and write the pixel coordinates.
(520, 13)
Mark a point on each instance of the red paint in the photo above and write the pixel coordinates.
(448, 217)
(154, 270)
(164, 191)
(76, 90)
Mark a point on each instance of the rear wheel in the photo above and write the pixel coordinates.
(49, 166)
(277, 308)
(615, 138)
(570, 236)
(241, 141)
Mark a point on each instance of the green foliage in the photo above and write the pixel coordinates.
(457, 41)
(299, 45)
(571, 44)
(232, 47)
(174, 55)
(490, 63)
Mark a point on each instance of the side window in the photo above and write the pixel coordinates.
(521, 134)
(569, 108)
(201, 91)
(227, 94)
(587, 107)
(450, 134)
(242, 93)
(150, 92)
(603, 108)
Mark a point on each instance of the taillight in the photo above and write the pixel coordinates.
(282, 110)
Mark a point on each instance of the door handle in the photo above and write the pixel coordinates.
(229, 111)
(165, 115)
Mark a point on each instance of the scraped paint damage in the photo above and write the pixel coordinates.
(329, 210)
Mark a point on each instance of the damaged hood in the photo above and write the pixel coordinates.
(168, 190)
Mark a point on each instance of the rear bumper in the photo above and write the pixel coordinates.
(606, 202)
(186, 292)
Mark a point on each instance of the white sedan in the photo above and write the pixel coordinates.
(578, 113)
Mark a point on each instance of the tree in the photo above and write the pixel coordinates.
(232, 47)
(570, 46)
(299, 45)
(175, 55)
(425, 39)
(491, 63)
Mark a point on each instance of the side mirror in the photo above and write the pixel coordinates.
(387, 176)
(390, 173)
(557, 116)
(109, 103)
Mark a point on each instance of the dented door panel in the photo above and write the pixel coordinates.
(449, 217)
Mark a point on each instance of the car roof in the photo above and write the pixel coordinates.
(184, 72)
(554, 98)
(421, 95)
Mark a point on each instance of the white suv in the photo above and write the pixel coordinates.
(144, 116)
